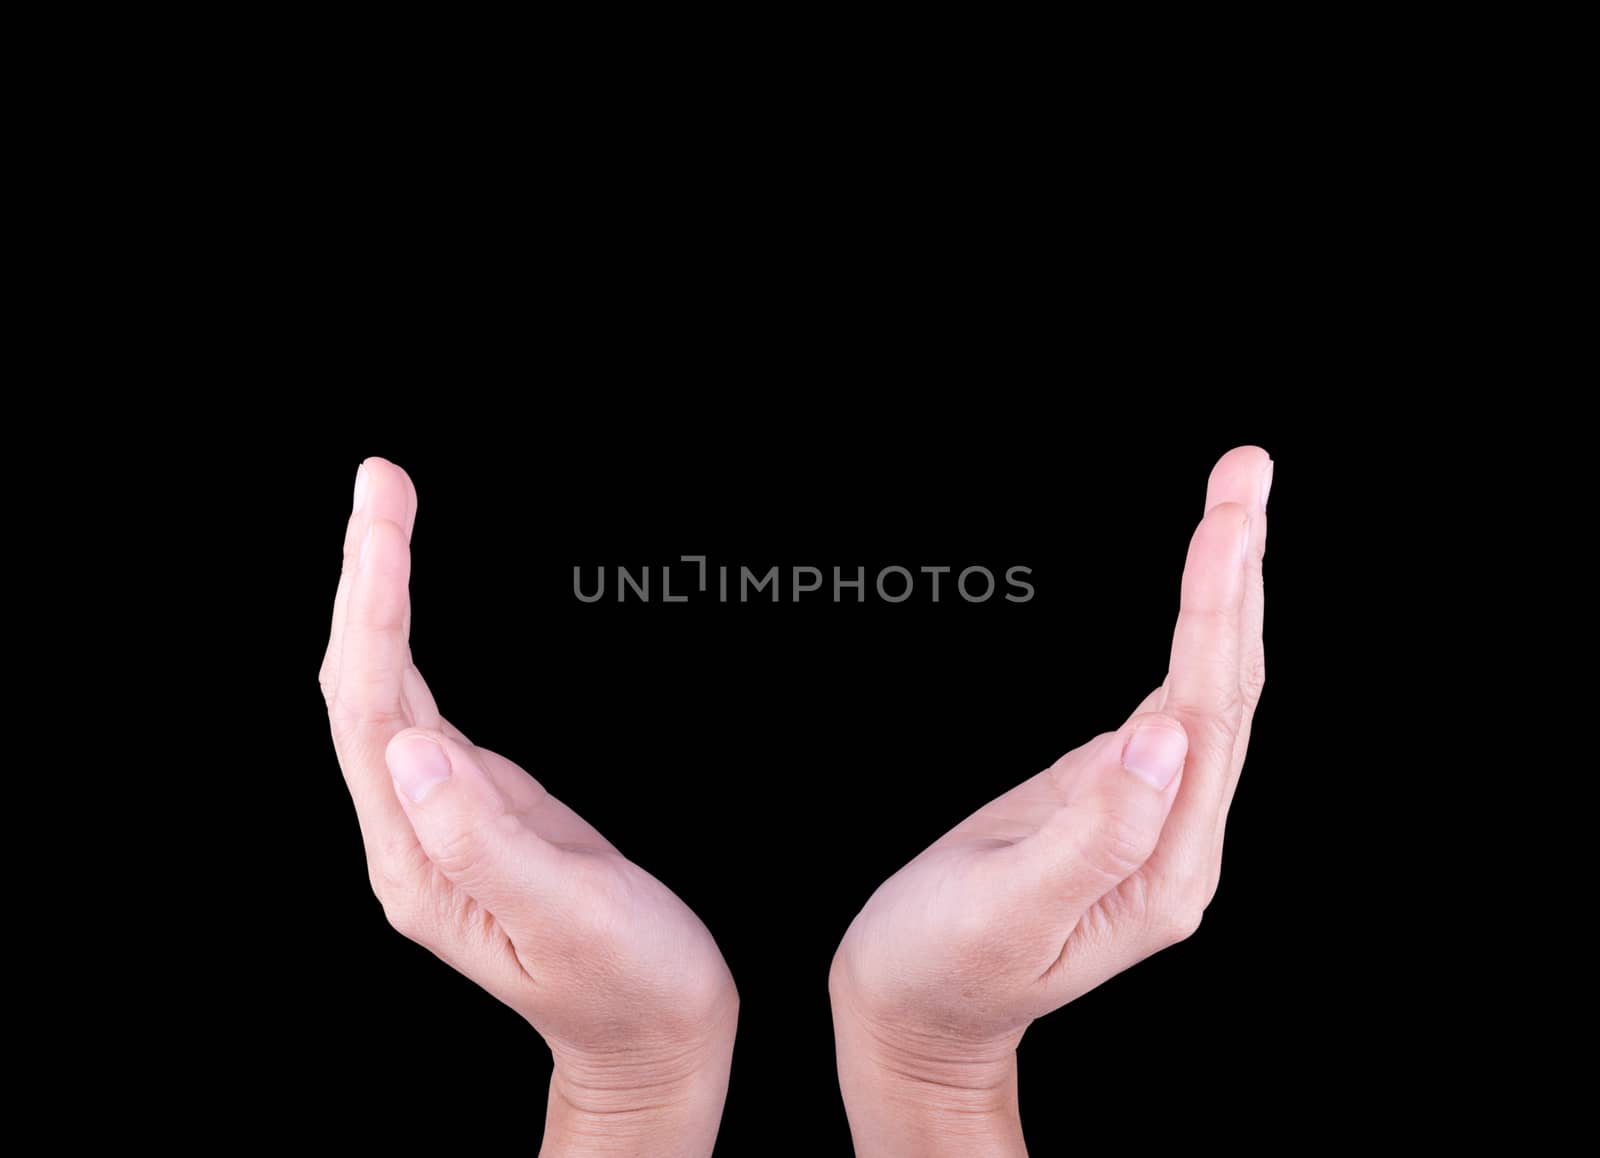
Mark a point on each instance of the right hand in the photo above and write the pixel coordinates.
(1107, 856)
(472, 858)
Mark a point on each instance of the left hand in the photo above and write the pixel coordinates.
(474, 859)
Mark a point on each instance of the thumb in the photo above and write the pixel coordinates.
(465, 824)
(1115, 799)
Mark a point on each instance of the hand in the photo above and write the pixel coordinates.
(1105, 857)
(472, 858)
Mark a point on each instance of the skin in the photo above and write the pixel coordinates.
(1068, 879)
(474, 859)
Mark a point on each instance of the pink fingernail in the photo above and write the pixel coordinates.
(1154, 754)
(418, 765)
(366, 542)
(361, 488)
(1266, 484)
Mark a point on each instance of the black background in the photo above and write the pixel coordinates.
(585, 367)
(774, 763)
(1009, 324)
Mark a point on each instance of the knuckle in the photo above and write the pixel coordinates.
(1184, 899)
(461, 852)
(1189, 921)
(399, 905)
(1212, 882)
(1253, 677)
(352, 717)
(1182, 923)
(1212, 733)
(402, 919)
(325, 680)
(603, 897)
(1218, 707)
(1118, 844)
(1229, 712)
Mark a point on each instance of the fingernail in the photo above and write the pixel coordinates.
(417, 764)
(1266, 484)
(361, 488)
(366, 542)
(1155, 754)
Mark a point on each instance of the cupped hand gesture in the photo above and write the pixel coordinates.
(1100, 860)
(474, 859)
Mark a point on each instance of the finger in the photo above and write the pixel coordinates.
(520, 789)
(1241, 747)
(374, 655)
(419, 704)
(1203, 676)
(453, 732)
(368, 704)
(1244, 476)
(420, 709)
(382, 491)
(1115, 801)
(1238, 478)
(466, 824)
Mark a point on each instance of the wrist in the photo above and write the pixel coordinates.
(661, 1100)
(910, 1092)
